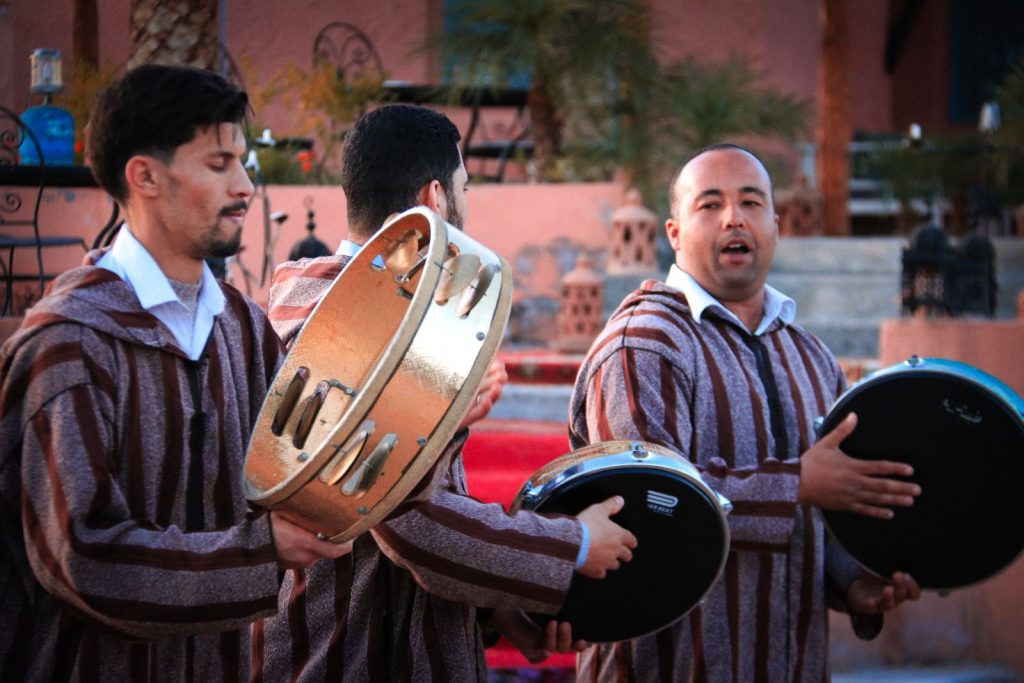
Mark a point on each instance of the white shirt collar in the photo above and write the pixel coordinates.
(133, 263)
(777, 306)
(348, 248)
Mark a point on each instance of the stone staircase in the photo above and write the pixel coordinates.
(845, 288)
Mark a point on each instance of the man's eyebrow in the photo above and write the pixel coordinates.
(754, 190)
(712, 192)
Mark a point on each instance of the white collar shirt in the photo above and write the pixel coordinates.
(132, 262)
(348, 248)
(777, 306)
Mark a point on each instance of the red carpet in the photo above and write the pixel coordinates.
(499, 458)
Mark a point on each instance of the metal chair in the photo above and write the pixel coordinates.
(15, 214)
(349, 50)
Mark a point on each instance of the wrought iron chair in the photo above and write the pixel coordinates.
(501, 140)
(349, 50)
(18, 214)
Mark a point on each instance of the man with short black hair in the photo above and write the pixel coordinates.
(402, 605)
(128, 396)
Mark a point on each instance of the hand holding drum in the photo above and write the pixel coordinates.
(832, 480)
(960, 432)
(670, 527)
(610, 544)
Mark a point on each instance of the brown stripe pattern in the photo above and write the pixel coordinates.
(657, 374)
(101, 580)
(402, 605)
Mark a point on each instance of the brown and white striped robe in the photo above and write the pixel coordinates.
(742, 408)
(128, 550)
(402, 605)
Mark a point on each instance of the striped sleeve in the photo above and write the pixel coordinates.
(637, 394)
(467, 551)
(296, 289)
(88, 549)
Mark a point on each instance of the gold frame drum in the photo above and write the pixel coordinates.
(678, 520)
(379, 379)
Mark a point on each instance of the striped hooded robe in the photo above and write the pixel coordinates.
(402, 605)
(742, 409)
(128, 550)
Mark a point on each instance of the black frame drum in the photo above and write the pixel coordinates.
(679, 522)
(962, 430)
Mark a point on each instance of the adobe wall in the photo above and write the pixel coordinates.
(538, 229)
(780, 38)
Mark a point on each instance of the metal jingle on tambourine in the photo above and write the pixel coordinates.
(472, 296)
(456, 274)
(402, 254)
(369, 469)
(342, 461)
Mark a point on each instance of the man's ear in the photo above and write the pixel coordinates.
(143, 175)
(433, 197)
(672, 232)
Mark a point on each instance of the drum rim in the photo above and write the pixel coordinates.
(385, 366)
(447, 426)
(990, 385)
(541, 492)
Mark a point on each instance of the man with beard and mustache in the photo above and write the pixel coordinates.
(403, 605)
(128, 396)
(710, 364)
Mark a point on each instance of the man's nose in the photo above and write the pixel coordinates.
(241, 185)
(732, 216)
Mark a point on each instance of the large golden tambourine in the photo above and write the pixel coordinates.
(379, 379)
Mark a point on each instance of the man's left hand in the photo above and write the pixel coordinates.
(535, 643)
(871, 595)
(487, 393)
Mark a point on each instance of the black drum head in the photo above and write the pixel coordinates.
(681, 543)
(966, 446)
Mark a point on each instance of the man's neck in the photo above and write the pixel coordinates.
(750, 312)
(175, 263)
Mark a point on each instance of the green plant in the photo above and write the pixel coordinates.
(323, 105)
(1008, 149)
(582, 57)
(329, 103)
(84, 83)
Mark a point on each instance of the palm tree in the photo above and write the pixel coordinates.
(580, 56)
(180, 32)
(833, 131)
(701, 104)
(85, 35)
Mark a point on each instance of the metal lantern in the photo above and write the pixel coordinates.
(47, 75)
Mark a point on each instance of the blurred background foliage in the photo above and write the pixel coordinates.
(976, 174)
(599, 100)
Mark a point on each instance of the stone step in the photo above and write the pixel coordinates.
(945, 674)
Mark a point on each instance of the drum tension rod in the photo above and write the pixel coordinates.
(411, 273)
(344, 388)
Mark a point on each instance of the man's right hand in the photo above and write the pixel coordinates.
(298, 548)
(832, 480)
(610, 544)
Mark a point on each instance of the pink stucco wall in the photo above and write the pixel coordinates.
(781, 37)
(520, 222)
(516, 221)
